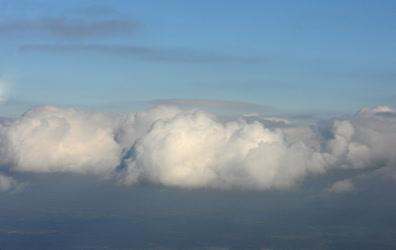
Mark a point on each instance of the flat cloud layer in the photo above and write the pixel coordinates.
(195, 149)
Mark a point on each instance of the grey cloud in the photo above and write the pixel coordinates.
(67, 28)
(139, 53)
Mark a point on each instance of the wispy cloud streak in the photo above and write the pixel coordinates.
(139, 53)
(208, 104)
(67, 28)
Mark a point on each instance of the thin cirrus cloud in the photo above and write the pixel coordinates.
(208, 104)
(139, 53)
(196, 149)
(68, 28)
(105, 23)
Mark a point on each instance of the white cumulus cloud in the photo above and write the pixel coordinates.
(51, 139)
(193, 148)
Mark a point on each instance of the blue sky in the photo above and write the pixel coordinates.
(295, 56)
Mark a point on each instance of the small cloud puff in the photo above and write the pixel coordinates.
(342, 186)
(6, 183)
(3, 91)
(378, 110)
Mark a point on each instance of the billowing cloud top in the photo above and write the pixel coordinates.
(194, 149)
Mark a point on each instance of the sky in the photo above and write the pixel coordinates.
(300, 57)
(197, 124)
